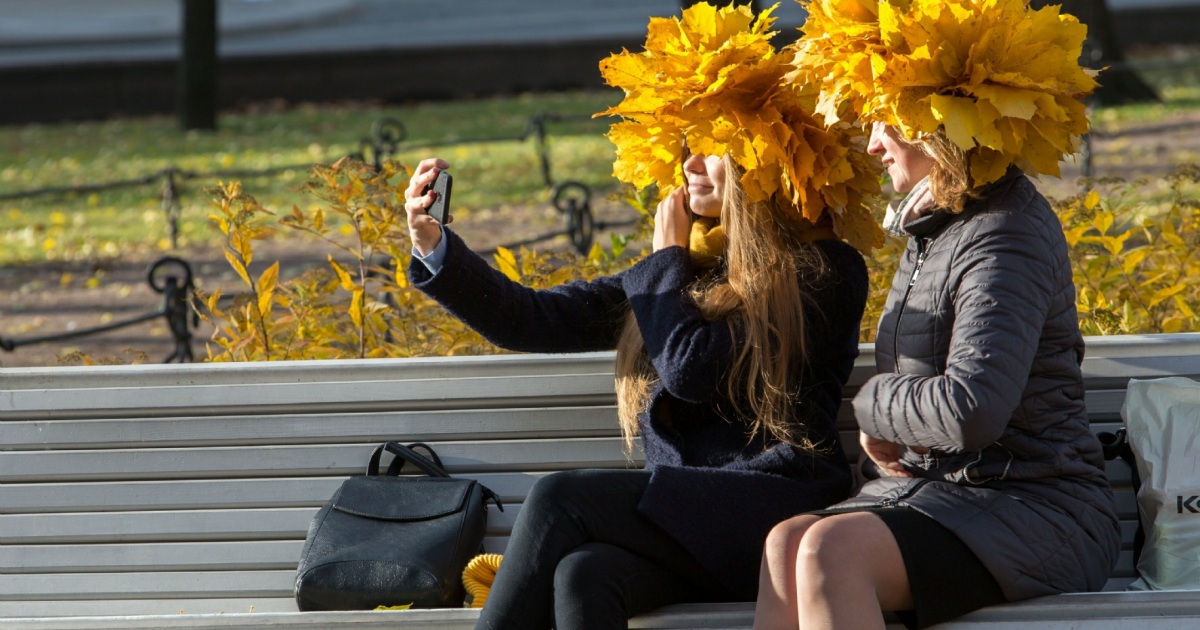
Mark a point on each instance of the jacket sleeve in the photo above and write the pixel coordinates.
(690, 353)
(574, 317)
(1001, 284)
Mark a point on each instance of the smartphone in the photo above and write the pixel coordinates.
(441, 201)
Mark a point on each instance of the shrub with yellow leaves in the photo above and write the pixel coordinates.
(1137, 269)
(712, 79)
(1136, 264)
(1001, 80)
(360, 305)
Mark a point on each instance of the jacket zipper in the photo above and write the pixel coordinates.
(922, 249)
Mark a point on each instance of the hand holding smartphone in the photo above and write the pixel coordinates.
(441, 187)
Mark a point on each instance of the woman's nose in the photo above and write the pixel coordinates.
(694, 163)
(875, 144)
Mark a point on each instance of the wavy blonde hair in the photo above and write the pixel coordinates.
(950, 181)
(756, 292)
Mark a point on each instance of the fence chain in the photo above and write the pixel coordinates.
(171, 205)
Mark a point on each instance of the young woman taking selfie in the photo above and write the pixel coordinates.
(734, 336)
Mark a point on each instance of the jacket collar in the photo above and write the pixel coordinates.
(934, 222)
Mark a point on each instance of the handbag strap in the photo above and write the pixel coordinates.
(1116, 446)
(431, 465)
(405, 454)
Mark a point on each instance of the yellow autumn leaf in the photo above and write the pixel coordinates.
(266, 288)
(1173, 324)
(344, 277)
(398, 607)
(1184, 307)
(1091, 201)
(238, 267)
(507, 263)
(1149, 281)
(356, 306)
(1074, 234)
(1132, 259)
(212, 303)
(1115, 244)
(1165, 293)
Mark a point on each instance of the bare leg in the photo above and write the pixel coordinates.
(776, 606)
(844, 571)
(849, 569)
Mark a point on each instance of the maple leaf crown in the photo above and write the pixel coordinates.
(713, 78)
(1001, 80)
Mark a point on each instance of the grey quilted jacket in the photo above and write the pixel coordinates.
(979, 356)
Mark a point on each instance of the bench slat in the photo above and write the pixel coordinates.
(164, 526)
(159, 584)
(207, 494)
(184, 525)
(290, 429)
(270, 613)
(338, 397)
(290, 372)
(200, 557)
(298, 461)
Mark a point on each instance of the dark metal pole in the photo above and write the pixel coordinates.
(197, 84)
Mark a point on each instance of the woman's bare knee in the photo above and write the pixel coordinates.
(785, 537)
(853, 551)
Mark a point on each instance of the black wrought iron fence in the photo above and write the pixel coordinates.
(170, 277)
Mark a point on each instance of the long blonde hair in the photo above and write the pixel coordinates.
(757, 293)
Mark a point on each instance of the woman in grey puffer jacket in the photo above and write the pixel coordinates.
(989, 485)
(988, 477)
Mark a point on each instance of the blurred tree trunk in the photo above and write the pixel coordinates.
(196, 93)
(1120, 83)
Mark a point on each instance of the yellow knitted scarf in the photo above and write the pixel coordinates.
(479, 575)
(707, 243)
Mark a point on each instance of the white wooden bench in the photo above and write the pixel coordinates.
(178, 496)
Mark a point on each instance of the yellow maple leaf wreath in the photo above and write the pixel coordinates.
(713, 78)
(1001, 79)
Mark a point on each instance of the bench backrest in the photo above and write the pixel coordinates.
(168, 488)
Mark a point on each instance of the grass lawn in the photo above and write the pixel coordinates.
(129, 220)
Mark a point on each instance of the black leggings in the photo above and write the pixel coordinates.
(581, 556)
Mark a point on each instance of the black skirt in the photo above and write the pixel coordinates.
(947, 580)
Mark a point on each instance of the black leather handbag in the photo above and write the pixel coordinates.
(386, 540)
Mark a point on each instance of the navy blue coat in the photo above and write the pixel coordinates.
(715, 488)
